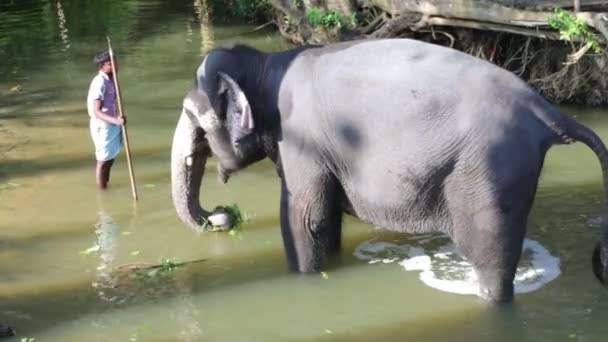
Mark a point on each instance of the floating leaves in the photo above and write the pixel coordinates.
(8, 186)
(159, 271)
(236, 233)
(90, 250)
(16, 89)
(324, 275)
(134, 253)
(150, 186)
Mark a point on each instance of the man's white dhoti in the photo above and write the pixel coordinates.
(107, 139)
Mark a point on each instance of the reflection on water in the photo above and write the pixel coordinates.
(105, 232)
(123, 285)
(65, 39)
(63, 30)
(206, 31)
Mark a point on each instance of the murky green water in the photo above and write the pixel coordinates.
(50, 211)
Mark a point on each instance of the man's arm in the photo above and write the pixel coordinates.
(105, 117)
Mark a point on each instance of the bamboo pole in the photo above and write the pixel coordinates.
(124, 127)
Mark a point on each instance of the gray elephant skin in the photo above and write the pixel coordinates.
(405, 135)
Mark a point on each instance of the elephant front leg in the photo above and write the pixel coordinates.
(310, 223)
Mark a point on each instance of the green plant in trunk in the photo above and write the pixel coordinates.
(571, 27)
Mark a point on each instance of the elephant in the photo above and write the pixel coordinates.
(402, 134)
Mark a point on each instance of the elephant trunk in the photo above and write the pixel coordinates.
(189, 154)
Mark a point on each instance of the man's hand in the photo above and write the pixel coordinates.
(101, 115)
(120, 121)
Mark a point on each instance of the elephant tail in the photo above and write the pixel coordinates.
(575, 131)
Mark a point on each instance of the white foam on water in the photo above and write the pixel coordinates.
(446, 270)
(417, 263)
(380, 252)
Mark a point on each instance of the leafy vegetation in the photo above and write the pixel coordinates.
(7, 186)
(160, 271)
(571, 27)
(253, 10)
(245, 10)
(236, 218)
(329, 19)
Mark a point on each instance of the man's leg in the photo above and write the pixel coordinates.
(102, 173)
(99, 175)
(108, 167)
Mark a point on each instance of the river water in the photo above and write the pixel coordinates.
(62, 243)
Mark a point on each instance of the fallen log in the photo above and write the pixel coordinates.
(484, 15)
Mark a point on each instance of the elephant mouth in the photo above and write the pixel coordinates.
(224, 173)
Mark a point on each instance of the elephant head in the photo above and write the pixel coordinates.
(216, 119)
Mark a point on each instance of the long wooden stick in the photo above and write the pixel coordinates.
(124, 127)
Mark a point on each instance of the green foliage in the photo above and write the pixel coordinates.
(235, 215)
(236, 218)
(252, 10)
(161, 271)
(7, 186)
(329, 19)
(246, 10)
(570, 27)
(168, 264)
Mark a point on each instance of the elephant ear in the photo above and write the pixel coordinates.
(239, 118)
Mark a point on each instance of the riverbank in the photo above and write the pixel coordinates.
(557, 48)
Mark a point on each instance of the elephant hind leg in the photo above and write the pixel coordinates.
(489, 228)
(311, 222)
(493, 246)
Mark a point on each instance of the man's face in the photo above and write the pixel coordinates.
(107, 67)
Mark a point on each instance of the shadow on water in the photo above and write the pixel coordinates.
(31, 167)
(502, 324)
(107, 290)
(114, 291)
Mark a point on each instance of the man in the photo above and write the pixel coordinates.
(6, 331)
(105, 124)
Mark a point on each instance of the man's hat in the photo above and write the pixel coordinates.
(101, 57)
